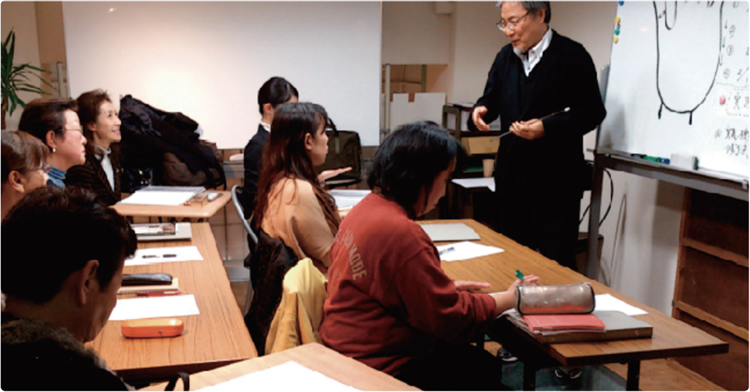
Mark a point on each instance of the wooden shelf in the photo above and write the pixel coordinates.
(727, 255)
(740, 332)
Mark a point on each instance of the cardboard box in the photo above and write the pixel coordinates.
(480, 145)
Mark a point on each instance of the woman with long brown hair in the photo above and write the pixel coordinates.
(292, 205)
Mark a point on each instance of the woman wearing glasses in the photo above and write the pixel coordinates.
(101, 126)
(55, 122)
(23, 165)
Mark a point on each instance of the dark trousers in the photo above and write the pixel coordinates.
(457, 367)
(549, 227)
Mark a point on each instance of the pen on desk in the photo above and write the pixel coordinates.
(567, 109)
(169, 255)
(154, 256)
(446, 250)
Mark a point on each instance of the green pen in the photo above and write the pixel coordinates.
(519, 275)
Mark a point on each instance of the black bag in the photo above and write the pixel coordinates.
(344, 150)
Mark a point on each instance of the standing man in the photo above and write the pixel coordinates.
(540, 167)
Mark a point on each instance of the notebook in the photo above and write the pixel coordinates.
(174, 286)
(441, 232)
(618, 326)
(162, 231)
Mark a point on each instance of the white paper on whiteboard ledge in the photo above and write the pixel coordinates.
(154, 307)
(289, 376)
(156, 255)
(466, 250)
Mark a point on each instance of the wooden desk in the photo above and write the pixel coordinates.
(214, 338)
(191, 212)
(671, 338)
(313, 356)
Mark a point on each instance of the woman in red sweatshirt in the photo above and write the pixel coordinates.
(389, 304)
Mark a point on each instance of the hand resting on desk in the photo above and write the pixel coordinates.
(508, 298)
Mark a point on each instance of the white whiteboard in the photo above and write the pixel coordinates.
(208, 59)
(674, 62)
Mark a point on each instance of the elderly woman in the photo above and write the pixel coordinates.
(24, 167)
(390, 305)
(101, 127)
(60, 295)
(54, 121)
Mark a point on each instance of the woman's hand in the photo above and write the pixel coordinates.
(326, 174)
(466, 285)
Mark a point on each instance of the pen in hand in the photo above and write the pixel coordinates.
(567, 109)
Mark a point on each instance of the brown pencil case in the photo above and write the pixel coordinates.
(555, 299)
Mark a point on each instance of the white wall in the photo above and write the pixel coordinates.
(208, 59)
(21, 18)
(414, 34)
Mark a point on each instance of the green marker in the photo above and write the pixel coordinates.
(519, 275)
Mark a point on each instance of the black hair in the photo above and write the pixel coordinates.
(275, 91)
(46, 114)
(52, 233)
(410, 159)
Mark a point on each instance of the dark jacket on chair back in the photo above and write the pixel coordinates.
(268, 264)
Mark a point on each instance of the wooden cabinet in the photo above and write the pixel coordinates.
(711, 290)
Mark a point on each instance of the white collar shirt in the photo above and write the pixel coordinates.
(531, 58)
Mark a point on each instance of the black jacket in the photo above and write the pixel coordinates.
(91, 176)
(550, 167)
(253, 165)
(38, 356)
(269, 262)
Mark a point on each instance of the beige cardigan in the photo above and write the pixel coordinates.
(294, 216)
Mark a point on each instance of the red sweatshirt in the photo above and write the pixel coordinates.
(388, 299)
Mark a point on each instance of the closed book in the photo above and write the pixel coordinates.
(618, 326)
(563, 322)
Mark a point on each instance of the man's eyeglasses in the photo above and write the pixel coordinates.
(510, 25)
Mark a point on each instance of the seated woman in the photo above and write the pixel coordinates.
(389, 304)
(55, 122)
(101, 126)
(60, 295)
(24, 167)
(292, 205)
(274, 92)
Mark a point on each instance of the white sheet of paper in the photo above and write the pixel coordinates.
(154, 307)
(440, 232)
(488, 182)
(348, 198)
(156, 255)
(158, 198)
(466, 250)
(289, 376)
(608, 302)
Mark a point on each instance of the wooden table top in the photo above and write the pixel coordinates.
(195, 212)
(313, 356)
(671, 337)
(216, 337)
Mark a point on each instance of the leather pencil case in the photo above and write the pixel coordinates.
(555, 299)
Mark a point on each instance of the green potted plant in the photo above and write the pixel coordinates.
(17, 78)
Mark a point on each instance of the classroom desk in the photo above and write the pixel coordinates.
(190, 212)
(313, 356)
(671, 337)
(214, 338)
